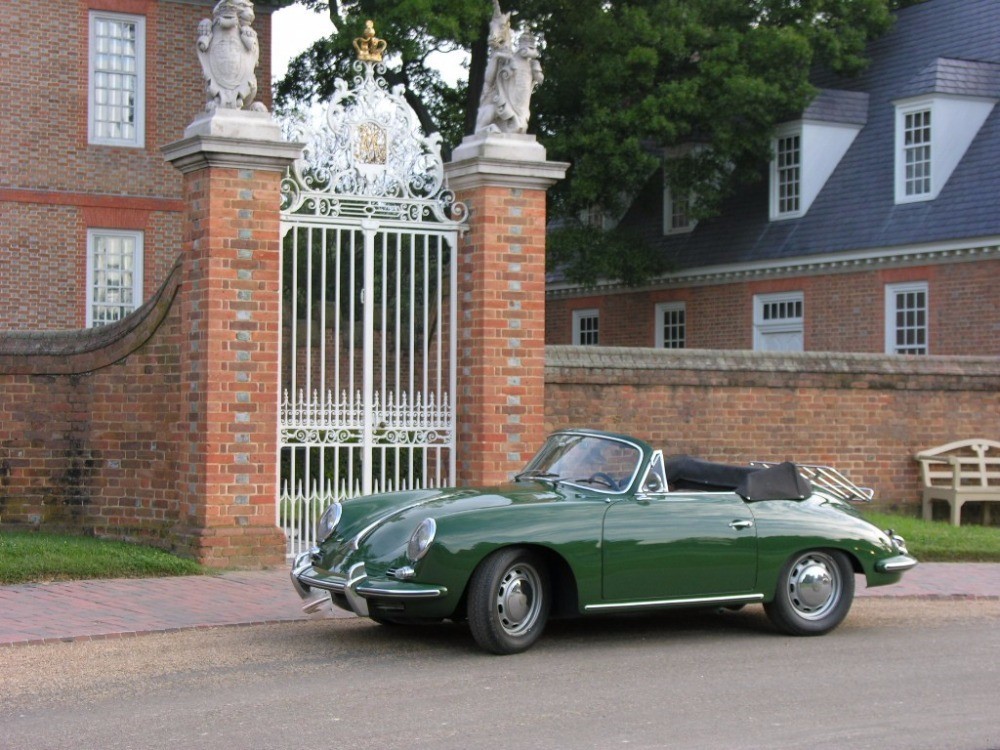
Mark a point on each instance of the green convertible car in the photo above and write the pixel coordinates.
(603, 523)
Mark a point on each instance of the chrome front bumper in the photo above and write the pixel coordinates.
(356, 587)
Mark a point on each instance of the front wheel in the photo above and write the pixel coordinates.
(508, 602)
(814, 594)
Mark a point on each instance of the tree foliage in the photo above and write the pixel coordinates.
(627, 84)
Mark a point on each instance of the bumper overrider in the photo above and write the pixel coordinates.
(353, 590)
(895, 564)
(899, 562)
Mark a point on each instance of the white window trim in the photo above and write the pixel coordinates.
(822, 146)
(891, 290)
(902, 112)
(786, 131)
(763, 327)
(139, 140)
(578, 317)
(138, 262)
(668, 214)
(664, 307)
(955, 122)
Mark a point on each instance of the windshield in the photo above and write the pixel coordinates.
(591, 461)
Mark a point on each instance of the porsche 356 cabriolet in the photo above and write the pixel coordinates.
(603, 523)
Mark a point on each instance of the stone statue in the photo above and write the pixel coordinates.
(228, 51)
(511, 77)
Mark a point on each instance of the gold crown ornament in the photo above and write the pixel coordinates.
(369, 46)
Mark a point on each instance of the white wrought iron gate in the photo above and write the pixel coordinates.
(369, 313)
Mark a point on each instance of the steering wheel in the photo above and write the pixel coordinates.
(603, 478)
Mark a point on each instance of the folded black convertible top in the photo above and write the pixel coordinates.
(753, 483)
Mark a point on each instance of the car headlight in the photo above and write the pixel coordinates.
(421, 539)
(898, 542)
(329, 520)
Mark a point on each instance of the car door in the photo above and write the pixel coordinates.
(671, 545)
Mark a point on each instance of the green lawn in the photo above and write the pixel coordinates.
(937, 541)
(29, 556)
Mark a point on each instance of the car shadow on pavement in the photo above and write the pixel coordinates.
(363, 637)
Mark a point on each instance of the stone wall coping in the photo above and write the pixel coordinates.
(77, 351)
(834, 363)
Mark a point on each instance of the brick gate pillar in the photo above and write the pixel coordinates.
(502, 179)
(230, 298)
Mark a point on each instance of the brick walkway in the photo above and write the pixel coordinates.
(81, 610)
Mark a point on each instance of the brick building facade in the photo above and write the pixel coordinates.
(64, 186)
(874, 228)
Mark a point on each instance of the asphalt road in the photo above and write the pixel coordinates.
(898, 674)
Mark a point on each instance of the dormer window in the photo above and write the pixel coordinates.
(806, 152)
(677, 202)
(938, 115)
(677, 217)
(786, 175)
(917, 153)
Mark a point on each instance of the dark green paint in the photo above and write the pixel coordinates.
(617, 547)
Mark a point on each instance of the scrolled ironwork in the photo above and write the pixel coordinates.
(373, 156)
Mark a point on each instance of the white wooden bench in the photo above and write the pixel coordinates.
(961, 472)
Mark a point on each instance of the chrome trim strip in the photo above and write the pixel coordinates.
(635, 472)
(746, 598)
(369, 590)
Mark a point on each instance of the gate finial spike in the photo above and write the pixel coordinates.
(370, 48)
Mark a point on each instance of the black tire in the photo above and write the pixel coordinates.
(814, 593)
(508, 603)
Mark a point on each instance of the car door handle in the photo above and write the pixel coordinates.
(740, 525)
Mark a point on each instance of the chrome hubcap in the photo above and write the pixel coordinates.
(814, 585)
(518, 602)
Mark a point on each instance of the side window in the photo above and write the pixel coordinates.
(116, 112)
(906, 318)
(779, 322)
(114, 275)
(671, 326)
(586, 330)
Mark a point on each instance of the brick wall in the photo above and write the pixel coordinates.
(163, 427)
(843, 311)
(90, 436)
(95, 433)
(864, 414)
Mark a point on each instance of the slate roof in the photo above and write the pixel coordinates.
(940, 46)
(845, 107)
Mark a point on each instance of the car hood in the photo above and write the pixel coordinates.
(363, 515)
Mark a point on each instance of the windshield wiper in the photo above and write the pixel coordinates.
(538, 474)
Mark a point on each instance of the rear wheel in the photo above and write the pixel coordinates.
(508, 603)
(814, 594)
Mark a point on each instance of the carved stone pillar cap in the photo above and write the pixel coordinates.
(502, 159)
(235, 123)
(505, 146)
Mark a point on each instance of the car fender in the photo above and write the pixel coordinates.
(785, 528)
